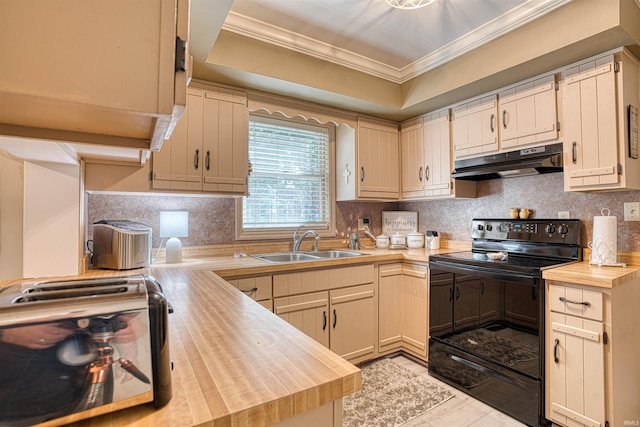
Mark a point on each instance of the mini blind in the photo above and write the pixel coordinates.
(289, 183)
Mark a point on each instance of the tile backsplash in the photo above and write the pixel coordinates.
(212, 220)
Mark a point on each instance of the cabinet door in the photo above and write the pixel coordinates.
(390, 307)
(415, 303)
(176, 166)
(378, 161)
(590, 142)
(528, 114)
(475, 128)
(352, 322)
(413, 172)
(437, 147)
(308, 312)
(225, 140)
(576, 371)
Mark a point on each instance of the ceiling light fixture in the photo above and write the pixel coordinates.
(409, 4)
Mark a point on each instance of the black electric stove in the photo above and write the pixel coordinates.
(486, 320)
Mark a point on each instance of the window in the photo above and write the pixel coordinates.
(290, 180)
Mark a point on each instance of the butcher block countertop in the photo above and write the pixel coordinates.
(235, 363)
(583, 273)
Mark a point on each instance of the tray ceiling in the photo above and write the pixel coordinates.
(372, 37)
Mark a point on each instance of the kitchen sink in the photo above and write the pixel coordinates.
(335, 253)
(283, 257)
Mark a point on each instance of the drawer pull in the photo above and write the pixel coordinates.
(556, 352)
(585, 303)
(249, 291)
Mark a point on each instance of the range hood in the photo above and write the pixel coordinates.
(529, 161)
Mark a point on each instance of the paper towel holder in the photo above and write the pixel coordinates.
(601, 250)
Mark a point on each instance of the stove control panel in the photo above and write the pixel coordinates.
(531, 230)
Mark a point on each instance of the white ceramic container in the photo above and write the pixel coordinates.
(415, 240)
(398, 240)
(382, 241)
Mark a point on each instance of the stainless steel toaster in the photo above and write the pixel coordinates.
(121, 244)
(73, 349)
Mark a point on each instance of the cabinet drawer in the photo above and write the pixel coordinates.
(575, 301)
(258, 288)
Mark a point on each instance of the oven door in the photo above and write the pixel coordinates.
(486, 338)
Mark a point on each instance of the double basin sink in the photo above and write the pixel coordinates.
(283, 257)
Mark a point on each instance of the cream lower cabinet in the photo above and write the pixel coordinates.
(258, 288)
(592, 347)
(336, 307)
(403, 308)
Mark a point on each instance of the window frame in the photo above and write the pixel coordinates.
(287, 232)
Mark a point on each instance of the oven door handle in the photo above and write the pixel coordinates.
(506, 275)
(487, 371)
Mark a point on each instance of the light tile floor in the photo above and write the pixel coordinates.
(460, 411)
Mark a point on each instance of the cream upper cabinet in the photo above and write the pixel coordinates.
(426, 159)
(412, 159)
(368, 161)
(475, 127)
(596, 97)
(117, 71)
(528, 114)
(209, 150)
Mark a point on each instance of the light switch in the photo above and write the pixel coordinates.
(632, 211)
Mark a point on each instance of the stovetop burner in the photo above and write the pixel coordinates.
(531, 245)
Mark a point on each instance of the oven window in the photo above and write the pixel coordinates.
(495, 320)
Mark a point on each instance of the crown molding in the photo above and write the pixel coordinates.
(265, 32)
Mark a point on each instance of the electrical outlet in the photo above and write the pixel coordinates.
(632, 211)
(564, 215)
(362, 222)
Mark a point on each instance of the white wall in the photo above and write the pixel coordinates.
(51, 219)
(11, 202)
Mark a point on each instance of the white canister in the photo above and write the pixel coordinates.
(604, 246)
(398, 239)
(415, 240)
(382, 241)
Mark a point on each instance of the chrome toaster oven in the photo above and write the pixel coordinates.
(121, 245)
(70, 350)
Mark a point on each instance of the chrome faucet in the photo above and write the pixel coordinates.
(297, 240)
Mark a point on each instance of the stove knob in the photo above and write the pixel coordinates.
(480, 227)
(550, 229)
(489, 227)
(563, 229)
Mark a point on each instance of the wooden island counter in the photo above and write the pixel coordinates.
(236, 363)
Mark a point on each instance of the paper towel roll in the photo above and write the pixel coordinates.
(604, 243)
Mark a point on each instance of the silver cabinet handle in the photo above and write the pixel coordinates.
(574, 152)
(491, 122)
(585, 303)
(504, 119)
(556, 351)
(420, 174)
(427, 173)
(362, 174)
(207, 161)
(196, 159)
